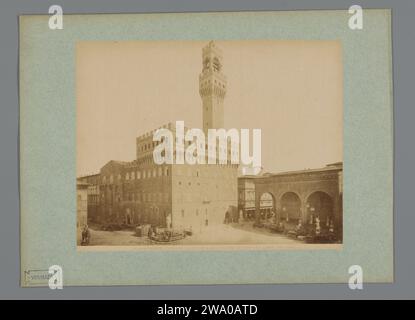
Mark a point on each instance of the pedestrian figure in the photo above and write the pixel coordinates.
(86, 235)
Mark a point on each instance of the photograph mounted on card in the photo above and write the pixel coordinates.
(207, 141)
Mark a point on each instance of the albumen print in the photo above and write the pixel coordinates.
(209, 143)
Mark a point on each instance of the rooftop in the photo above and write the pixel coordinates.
(330, 167)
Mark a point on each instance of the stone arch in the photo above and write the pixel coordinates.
(320, 204)
(267, 204)
(328, 192)
(290, 206)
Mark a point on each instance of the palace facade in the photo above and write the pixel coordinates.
(174, 195)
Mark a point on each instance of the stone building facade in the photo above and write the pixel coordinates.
(303, 195)
(91, 181)
(173, 195)
(81, 204)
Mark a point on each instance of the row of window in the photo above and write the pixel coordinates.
(147, 173)
(158, 172)
(148, 197)
(139, 197)
(140, 174)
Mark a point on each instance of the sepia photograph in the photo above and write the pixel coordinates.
(255, 139)
(209, 144)
(191, 155)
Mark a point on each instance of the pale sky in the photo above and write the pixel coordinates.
(292, 90)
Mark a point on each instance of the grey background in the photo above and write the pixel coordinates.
(403, 51)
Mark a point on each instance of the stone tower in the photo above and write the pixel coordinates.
(212, 87)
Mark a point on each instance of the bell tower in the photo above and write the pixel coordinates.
(212, 87)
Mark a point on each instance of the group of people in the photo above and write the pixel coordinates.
(313, 229)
